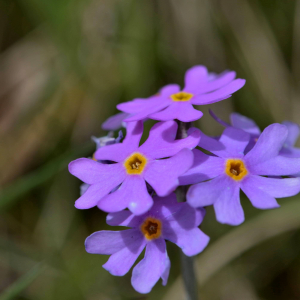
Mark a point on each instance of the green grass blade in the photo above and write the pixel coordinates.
(22, 283)
(12, 193)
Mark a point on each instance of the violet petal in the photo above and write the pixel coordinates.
(204, 167)
(161, 141)
(90, 171)
(119, 152)
(163, 174)
(154, 265)
(244, 123)
(276, 187)
(132, 194)
(268, 144)
(120, 262)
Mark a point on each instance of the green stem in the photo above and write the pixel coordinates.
(187, 263)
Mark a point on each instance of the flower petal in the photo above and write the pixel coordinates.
(218, 82)
(195, 77)
(276, 166)
(132, 194)
(123, 218)
(144, 114)
(154, 265)
(212, 145)
(161, 141)
(114, 122)
(119, 152)
(204, 167)
(257, 194)
(83, 188)
(169, 89)
(206, 193)
(95, 193)
(235, 140)
(268, 144)
(182, 111)
(90, 171)
(165, 207)
(109, 242)
(181, 229)
(220, 94)
(138, 104)
(187, 113)
(120, 262)
(290, 152)
(191, 241)
(163, 175)
(228, 207)
(293, 133)
(187, 216)
(244, 123)
(275, 187)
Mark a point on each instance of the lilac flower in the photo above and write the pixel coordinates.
(173, 103)
(135, 165)
(230, 170)
(288, 149)
(167, 220)
(241, 122)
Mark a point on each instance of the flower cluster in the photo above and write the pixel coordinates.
(135, 183)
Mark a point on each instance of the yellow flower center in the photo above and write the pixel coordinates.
(182, 96)
(236, 169)
(135, 163)
(151, 228)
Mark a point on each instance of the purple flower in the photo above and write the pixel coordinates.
(173, 103)
(115, 122)
(135, 165)
(167, 220)
(230, 170)
(241, 122)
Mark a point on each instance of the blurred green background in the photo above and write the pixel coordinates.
(64, 65)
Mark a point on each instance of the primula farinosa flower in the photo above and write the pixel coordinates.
(115, 122)
(134, 166)
(173, 103)
(241, 122)
(167, 220)
(230, 170)
(101, 142)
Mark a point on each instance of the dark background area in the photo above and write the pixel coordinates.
(64, 65)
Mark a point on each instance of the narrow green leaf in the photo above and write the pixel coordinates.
(22, 283)
(12, 193)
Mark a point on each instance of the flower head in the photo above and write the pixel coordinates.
(134, 166)
(172, 103)
(166, 220)
(231, 170)
(248, 125)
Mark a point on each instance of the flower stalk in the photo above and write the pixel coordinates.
(187, 263)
